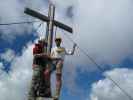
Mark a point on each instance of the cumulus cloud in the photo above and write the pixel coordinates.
(15, 85)
(8, 55)
(16, 14)
(1, 65)
(105, 90)
(1, 68)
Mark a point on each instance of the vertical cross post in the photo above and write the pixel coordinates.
(50, 27)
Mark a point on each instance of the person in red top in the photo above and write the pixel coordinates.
(40, 85)
(39, 53)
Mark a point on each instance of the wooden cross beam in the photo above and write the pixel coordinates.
(46, 19)
(51, 22)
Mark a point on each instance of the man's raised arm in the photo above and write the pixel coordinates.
(71, 52)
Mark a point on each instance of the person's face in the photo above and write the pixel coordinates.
(44, 44)
(58, 42)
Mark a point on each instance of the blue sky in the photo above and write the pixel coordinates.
(102, 29)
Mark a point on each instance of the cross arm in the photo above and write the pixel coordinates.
(46, 19)
(63, 26)
(36, 14)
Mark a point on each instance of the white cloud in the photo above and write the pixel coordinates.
(16, 14)
(15, 85)
(1, 65)
(8, 55)
(1, 68)
(105, 90)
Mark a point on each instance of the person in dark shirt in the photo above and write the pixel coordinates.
(40, 85)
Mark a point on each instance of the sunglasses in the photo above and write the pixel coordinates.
(57, 40)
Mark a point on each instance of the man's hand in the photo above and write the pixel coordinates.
(74, 46)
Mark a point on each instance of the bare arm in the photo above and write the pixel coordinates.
(71, 52)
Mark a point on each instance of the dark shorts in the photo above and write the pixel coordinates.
(54, 64)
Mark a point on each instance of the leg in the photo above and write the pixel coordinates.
(35, 78)
(47, 81)
(47, 72)
(58, 77)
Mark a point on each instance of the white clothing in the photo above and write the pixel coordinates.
(60, 52)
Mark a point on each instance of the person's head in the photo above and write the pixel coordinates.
(43, 42)
(58, 41)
